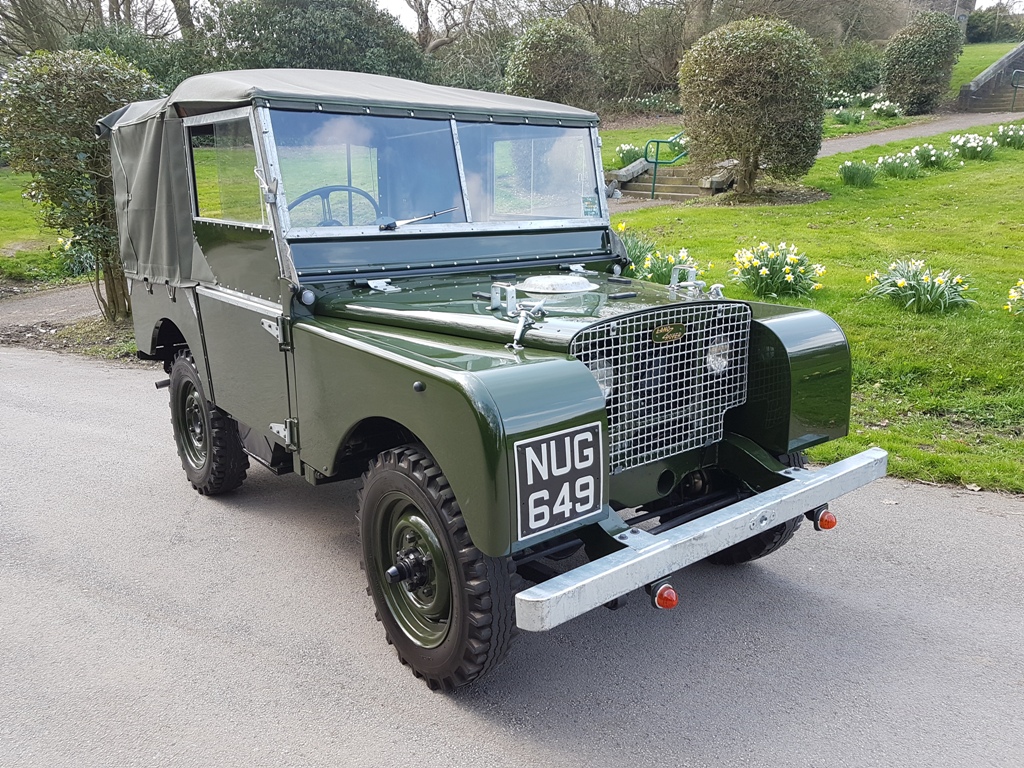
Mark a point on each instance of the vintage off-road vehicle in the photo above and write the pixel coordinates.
(346, 274)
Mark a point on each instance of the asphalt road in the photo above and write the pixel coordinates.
(143, 625)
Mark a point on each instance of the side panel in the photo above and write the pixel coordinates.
(155, 304)
(470, 411)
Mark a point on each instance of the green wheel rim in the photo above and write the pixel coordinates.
(424, 613)
(192, 426)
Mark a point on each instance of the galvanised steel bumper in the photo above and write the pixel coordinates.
(647, 558)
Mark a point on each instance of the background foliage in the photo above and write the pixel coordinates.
(555, 61)
(918, 62)
(753, 90)
(49, 104)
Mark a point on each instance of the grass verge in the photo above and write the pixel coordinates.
(975, 59)
(943, 393)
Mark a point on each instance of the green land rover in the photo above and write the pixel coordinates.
(351, 275)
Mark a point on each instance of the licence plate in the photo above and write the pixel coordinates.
(559, 478)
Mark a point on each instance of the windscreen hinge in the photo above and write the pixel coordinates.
(384, 285)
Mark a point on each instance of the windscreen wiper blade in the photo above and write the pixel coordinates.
(393, 225)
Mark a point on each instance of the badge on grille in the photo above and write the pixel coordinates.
(666, 333)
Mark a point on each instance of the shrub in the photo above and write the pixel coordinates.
(49, 104)
(854, 66)
(929, 157)
(911, 285)
(167, 60)
(770, 115)
(776, 271)
(857, 174)
(994, 25)
(886, 109)
(652, 103)
(351, 35)
(1011, 136)
(556, 61)
(918, 62)
(971, 146)
(638, 246)
(1015, 299)
(657, 267)
(838, 100)
(628, 153)
(899, 166)
(849, 117)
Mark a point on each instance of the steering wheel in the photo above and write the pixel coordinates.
(324, 193)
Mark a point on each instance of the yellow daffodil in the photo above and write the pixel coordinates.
(621, 226)
(901, 283)
(789, 278)
(764, 271)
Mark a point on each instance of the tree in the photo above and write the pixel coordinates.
(168, 60)
(49, 104)
(440, 22)
(753, 91)
(556, 61)
(918, 63)
(320, 34)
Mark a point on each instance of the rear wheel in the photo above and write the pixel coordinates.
(445, 606)
(758, 546)
(207, 438)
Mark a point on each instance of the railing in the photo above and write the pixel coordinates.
(657, 161)
(1015, 83)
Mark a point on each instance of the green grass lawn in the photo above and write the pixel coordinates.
(944, 394)
(975, 59)
(23, 248)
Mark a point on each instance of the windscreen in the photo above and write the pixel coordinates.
(356, 170)
(529, 172)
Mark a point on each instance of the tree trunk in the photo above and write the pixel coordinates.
(746, 174)
(114, 301)
(183, 12)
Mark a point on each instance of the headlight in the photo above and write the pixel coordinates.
(718, 356)
(605, 375)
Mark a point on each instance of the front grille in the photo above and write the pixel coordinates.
(663, 397)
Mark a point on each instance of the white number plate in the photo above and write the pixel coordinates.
(559, 478)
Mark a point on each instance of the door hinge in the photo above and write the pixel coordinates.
(289, 432)
(279, 329)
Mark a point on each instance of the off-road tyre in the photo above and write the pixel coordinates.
(406, 501)
(206, 438)
(758, 546)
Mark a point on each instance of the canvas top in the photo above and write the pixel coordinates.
(317, 88)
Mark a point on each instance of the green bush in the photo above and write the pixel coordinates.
(555, 61)
(855, 66)
(351, 35)
(49, 104)
(994, 25)
(918, 62)
(167, 60)
(754, 91)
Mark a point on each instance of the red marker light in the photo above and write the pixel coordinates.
(666, 597)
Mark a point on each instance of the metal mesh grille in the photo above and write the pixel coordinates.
(665, 397)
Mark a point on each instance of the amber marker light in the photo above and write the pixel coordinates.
(825, 521)
(666, 597)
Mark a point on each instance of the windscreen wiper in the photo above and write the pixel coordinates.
(391, 225)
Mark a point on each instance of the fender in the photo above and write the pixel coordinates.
(488, 396)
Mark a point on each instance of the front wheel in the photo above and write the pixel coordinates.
(207, 438)
(445, 606)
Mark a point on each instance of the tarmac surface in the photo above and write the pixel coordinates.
(144, 625)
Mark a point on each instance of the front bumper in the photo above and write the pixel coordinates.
(647, 558)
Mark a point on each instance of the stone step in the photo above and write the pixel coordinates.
(638, 187)
(646, 194)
